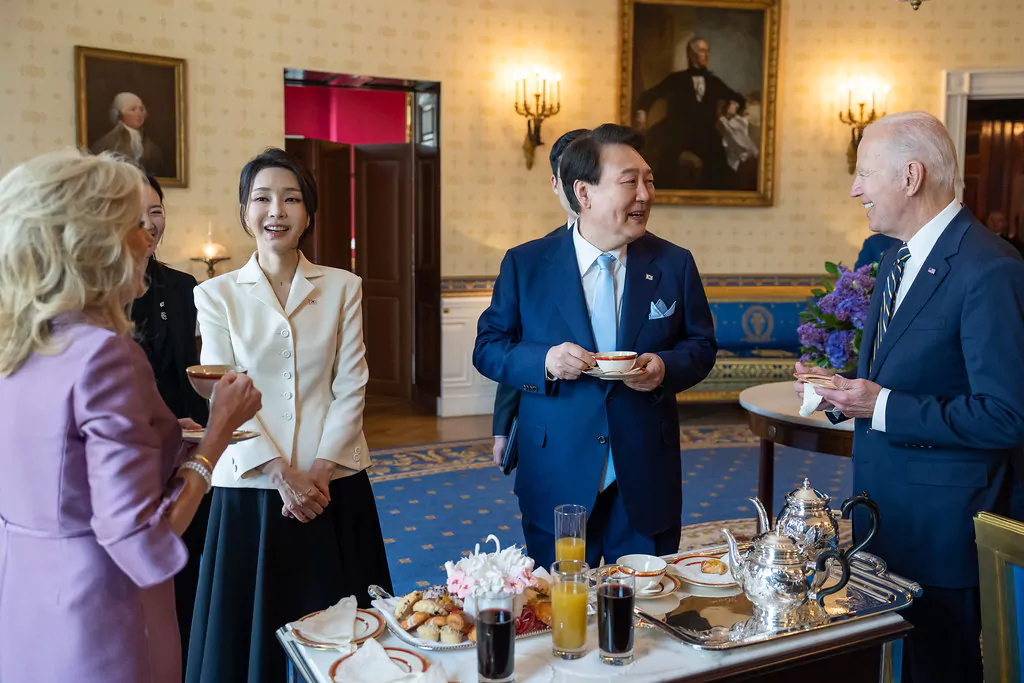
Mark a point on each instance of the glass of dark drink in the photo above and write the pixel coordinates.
(616, 587)
(495, 638)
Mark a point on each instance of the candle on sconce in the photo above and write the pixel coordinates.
(558, 90)
(536, 80)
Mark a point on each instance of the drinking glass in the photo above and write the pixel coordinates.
(569, 588)
(571, 533)
(495, 638)
(616, 587)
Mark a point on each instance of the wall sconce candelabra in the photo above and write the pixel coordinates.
(213, 253)
(547, 101)
(854, 99)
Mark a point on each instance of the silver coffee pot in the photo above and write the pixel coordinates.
(807, 517)
(777, 576)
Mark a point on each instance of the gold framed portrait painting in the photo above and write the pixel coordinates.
(134, 105)
(699, 78)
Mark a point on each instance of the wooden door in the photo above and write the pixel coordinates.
(331, 165)
(384, 241)
(994, 161)
(427, 278)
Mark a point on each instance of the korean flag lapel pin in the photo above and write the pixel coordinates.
(649, 276)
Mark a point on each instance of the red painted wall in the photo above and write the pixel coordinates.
(360, 117)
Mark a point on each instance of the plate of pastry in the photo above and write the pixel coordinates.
(433, 619)
(704, 570)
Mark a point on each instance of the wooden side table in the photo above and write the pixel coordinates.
(773, 415)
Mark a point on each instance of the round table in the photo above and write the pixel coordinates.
(773, 415)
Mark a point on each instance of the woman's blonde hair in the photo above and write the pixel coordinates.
(64, 217)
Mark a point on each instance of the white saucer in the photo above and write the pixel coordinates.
(238, 436)
(669, 584)
(599, 374)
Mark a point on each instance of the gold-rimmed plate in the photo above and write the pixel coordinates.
(368, 625)
(237, 436)
(410, 662)
(702, 569)
(668, 585)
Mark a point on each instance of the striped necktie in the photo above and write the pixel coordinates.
(892, 285)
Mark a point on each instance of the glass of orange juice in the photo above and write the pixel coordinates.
(571, 533)
(569, 597)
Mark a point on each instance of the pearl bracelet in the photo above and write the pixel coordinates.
(203, 472)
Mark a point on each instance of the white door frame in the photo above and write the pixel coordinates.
(962, 85)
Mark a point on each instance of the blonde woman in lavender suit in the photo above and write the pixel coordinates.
(97, 485)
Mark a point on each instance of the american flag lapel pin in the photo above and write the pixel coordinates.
(931, 271)
(649, 276)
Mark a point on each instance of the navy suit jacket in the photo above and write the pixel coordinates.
(565, 426)
(954, 362)
(506, 398)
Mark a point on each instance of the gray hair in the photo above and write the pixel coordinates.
(690, 45)
(121, 99)
(919, 136)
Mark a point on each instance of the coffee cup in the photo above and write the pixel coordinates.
(615, 361)
(648, 569)
(204, 377)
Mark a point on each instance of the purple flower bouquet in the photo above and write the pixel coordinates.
(832, 326)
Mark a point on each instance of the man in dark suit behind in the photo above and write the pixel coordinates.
(607, 284)
(938, 402)
(506, 398)
(695, 99)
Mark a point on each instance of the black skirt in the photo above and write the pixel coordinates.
(261, 570)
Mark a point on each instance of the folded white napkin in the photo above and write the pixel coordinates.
(335, 625)
(811, 400)
(371, 664)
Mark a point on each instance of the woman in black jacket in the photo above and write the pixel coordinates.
(165, 327)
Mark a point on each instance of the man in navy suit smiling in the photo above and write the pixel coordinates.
(938, 402)
(608, 284)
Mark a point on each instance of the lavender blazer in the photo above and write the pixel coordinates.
(86, 553)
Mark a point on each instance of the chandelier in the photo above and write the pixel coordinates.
(914, 3)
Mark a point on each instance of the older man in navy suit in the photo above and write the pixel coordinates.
(938, 402)
(606, 285)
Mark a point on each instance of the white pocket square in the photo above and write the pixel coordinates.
(658, 310)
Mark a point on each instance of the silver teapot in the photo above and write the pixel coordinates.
(776, 575)
(807, 517)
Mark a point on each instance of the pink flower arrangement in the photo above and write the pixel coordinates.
(503, 571)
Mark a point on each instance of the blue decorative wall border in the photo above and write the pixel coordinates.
(481, 285)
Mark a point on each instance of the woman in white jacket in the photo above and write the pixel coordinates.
(293, 525)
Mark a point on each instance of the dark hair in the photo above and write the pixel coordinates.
(156, 186)
(274, 157)
(582, 159)
(559, 147)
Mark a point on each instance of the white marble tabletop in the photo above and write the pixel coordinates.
(658, 657)
(778, 401)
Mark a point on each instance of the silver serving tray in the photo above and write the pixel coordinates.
(724, 619)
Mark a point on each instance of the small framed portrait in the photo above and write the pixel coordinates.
(699, 79)
(134, 105)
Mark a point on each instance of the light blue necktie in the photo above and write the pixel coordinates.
(605, 324)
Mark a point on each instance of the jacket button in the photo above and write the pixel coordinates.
(286, 375)
(287, 394)
(869, 430)
(601, 440)
(286, 354)
(288, 416)
(284, 333)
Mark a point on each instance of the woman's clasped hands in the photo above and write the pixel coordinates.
(304, 494)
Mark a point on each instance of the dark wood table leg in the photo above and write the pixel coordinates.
(766, 475)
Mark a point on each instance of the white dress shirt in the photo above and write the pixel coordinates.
(699, 87)
(586, 257)
(136, 140)
(920, 246)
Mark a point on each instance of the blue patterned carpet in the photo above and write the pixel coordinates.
(436, 501)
